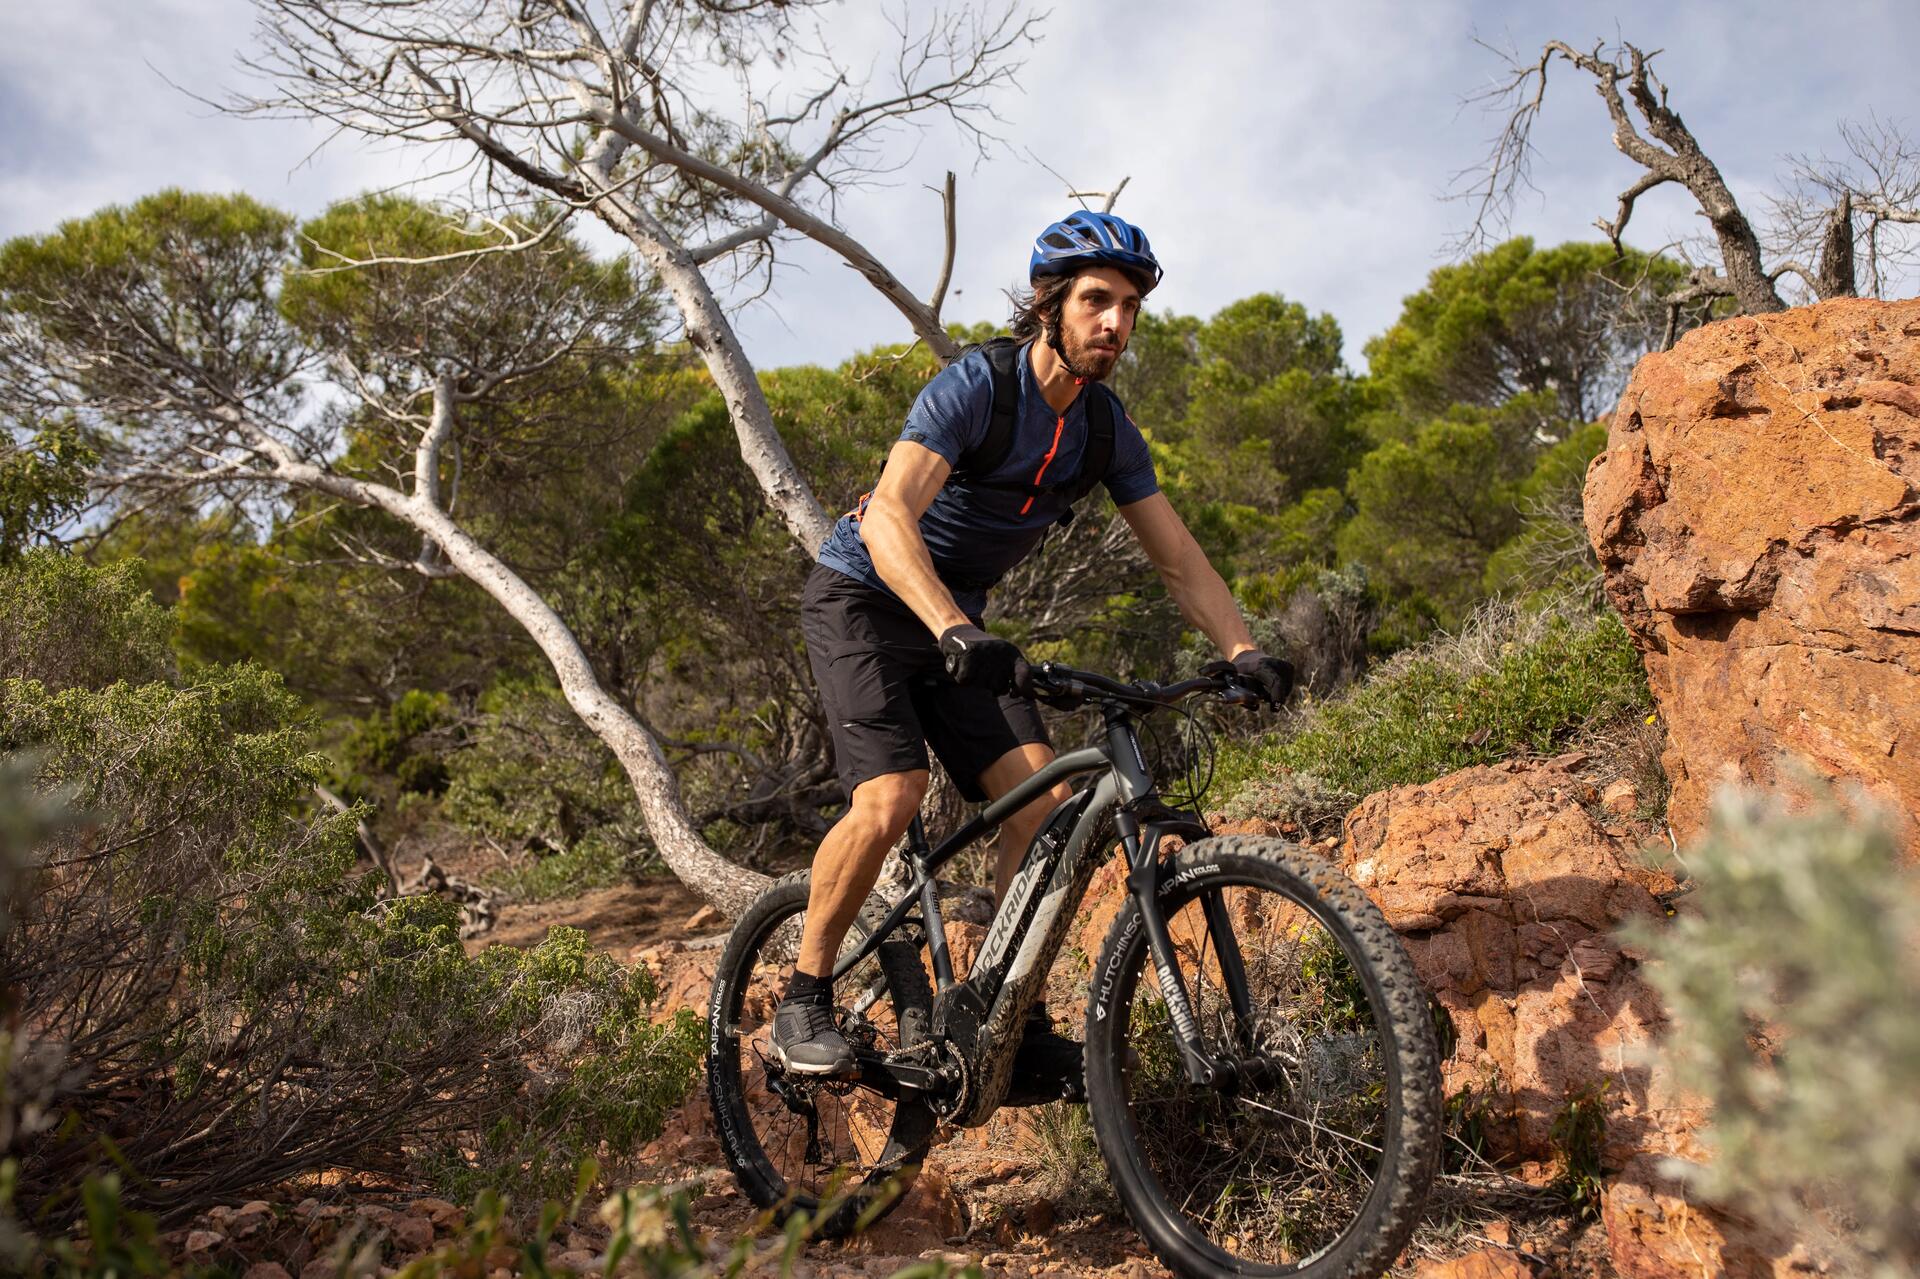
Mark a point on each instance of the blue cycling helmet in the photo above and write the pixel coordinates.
(1085, 239)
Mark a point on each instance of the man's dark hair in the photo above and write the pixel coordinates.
(1036, 311)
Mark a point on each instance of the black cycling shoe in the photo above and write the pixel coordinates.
(1047, 1066)
(807, 1041)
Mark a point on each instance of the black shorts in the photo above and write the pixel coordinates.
(887, 697)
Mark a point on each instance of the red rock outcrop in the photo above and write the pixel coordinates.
(1506, 891)
(1506, 885)
(1757, 515)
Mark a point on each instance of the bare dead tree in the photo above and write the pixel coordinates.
(1834, 216)
(1667, 152)
(1862, 208)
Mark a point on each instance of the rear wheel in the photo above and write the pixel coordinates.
(1316, 1157)
(798, 1142)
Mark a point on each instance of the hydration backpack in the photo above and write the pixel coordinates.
(1003, 356)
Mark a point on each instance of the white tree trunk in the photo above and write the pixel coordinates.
(709, 333)
(729, 887)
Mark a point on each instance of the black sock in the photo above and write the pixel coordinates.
(805, 988)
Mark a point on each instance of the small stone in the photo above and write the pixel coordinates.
(412, 1234)
(204, 1240)
(705, 917)
(266, 1270)
(576, 1259)
(1488, 1263)
(1620, 798)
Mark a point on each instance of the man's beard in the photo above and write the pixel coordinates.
(1085, 361)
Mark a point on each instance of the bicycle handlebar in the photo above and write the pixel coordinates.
(1066, 687)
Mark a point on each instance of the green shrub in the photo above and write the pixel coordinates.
(1511, 682)
(1803, 937)
(401, 742)
(210, 995)
(66, 623)
(532, 777)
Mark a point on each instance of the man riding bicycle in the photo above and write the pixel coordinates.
(995, 451)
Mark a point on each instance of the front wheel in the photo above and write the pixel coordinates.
(1315, 1157)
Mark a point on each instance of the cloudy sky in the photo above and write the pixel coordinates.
(1288, 147)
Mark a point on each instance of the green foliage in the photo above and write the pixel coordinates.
(1792, 978)
(1268, 411)
(248, 939)
(1579, 1134)
(400, 321)
(1568, 321)
(1430, 511)
(1551, 545)
(1511, 682)
(531, 776)
(48, 599)
(398, 742)
(42, 482)
(160, 296)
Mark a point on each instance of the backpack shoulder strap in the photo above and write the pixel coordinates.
(1099, 455)
(1003, 358)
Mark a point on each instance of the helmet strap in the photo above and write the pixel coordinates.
(1052, 330)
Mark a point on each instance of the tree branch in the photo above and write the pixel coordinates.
(1616, 228)
(856, 254)
(939, 295)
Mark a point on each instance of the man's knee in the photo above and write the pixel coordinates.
(883, 806)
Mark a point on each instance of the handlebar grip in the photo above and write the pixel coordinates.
(1023, 679)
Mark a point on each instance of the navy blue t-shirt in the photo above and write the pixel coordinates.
(975, 534)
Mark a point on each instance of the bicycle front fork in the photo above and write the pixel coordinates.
(1144, 878)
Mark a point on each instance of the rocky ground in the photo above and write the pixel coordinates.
(1014, 1198)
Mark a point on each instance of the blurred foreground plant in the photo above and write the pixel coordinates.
(1795, 990)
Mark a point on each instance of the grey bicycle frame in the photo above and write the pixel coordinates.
(1035, 928)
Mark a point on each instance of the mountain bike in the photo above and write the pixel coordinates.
(1261, 1069)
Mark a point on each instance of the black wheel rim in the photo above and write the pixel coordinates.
(811, 1141)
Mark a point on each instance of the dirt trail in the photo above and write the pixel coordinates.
(984, 1197)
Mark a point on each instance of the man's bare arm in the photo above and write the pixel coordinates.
(891, 530)
(1191, 579)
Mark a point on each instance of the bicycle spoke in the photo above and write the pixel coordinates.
(1283, 1168)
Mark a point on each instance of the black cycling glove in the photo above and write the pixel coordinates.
(976, 658)
(1273, 676)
